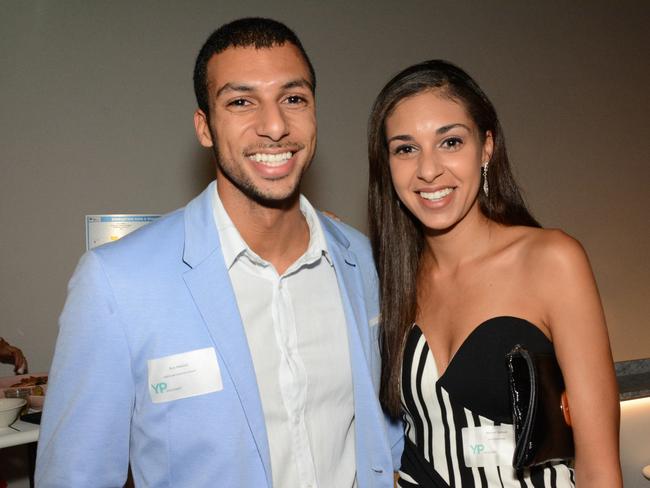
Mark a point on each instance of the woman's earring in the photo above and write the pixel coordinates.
(486, 189)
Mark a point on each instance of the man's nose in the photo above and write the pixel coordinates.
(272, 122)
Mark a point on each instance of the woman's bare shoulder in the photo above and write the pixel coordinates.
(545, 256)
(546, 247)
(555, 262)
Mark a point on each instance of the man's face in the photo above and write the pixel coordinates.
(262, 122)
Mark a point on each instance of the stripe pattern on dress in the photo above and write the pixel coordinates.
(434, 423)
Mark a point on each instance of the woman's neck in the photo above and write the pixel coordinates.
(466, 241)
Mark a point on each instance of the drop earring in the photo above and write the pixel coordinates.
(486, 188)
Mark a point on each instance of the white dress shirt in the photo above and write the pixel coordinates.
(297, 335)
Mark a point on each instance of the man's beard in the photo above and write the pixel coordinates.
(241, 181)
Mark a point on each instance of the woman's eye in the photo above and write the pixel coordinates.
(405, 149)
(452, 143)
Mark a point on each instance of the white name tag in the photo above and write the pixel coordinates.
(492, 445)
(184, 375)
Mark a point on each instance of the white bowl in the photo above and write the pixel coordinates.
(9, 410)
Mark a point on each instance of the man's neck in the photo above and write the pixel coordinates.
(279, 235)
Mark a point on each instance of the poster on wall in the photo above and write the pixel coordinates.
(101, 229)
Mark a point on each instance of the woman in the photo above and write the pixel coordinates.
(466, 273)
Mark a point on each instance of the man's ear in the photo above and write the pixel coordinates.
(202, 128)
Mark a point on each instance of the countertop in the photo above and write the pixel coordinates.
(633, 378)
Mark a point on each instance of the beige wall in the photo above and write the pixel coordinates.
(96, 103)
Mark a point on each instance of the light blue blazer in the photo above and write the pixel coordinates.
(164, 290)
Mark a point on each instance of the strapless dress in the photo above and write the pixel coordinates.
(449, 419)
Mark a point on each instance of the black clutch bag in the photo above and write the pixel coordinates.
(540, 412)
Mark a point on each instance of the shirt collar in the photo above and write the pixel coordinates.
(233, 245)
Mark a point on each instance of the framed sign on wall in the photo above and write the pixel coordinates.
(101, 229)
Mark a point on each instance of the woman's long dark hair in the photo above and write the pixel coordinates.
(396, 236)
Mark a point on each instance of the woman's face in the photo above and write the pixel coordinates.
(435, 155)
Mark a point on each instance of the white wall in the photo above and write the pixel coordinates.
(635, 441)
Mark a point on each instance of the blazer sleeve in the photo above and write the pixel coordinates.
(84, 436)
(395, 429)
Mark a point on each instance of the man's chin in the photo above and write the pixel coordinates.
(279, 200)
(282, 192)
(274, 195)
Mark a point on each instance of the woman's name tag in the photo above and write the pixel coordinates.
(490, 445)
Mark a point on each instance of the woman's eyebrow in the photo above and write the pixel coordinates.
(441, 130)
(447, 128)
(400, 137)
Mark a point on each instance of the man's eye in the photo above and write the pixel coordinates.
(239, 102)
(295, 99)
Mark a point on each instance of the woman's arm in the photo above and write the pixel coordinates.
(575, 317)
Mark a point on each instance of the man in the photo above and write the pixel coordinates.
(231, 343)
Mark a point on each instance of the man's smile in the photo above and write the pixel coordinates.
(271, 159)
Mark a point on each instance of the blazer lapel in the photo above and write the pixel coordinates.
(351, 289)
(209, 284)
(371, 442)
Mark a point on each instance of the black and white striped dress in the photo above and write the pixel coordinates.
(472, 392)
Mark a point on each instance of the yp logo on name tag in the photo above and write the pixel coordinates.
(490, 445)
(184, 375)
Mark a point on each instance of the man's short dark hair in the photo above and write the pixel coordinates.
(247, 32)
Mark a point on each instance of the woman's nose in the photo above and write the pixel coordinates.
(429, 167)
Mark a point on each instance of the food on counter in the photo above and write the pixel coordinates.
(31, 381)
